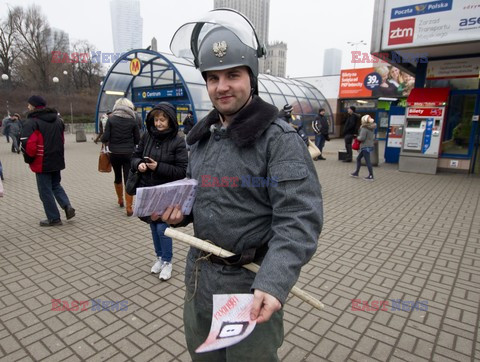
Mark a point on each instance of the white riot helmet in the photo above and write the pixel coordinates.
(223, 39)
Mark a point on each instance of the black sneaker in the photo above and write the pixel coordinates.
(369, 178)
(51, 222)
(354, 174)
(69, 212)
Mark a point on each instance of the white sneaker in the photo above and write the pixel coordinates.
(166, 272)
(157, 267)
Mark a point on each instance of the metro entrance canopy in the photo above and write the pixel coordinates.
(161, 77)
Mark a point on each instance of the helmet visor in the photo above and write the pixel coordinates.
(190, 35)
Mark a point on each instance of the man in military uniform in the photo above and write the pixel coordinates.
(276, 225)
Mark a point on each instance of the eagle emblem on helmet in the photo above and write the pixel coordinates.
(220, 48)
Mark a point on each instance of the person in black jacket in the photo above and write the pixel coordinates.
(160, 157)
(42, 140)
(350, 131)
(15, 131)
(286, 114)
(121, 133)
(321, 127)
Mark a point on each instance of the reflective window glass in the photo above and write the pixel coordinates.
(458, 129)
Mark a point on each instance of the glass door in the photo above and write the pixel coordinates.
(475, 164)
(460, 139)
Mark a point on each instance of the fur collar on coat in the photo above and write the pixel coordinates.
(370, 126)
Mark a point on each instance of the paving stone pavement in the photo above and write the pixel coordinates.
(405, 237)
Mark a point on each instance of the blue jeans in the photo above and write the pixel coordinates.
(365, 152)
(49, 190)
(161, 243)
(320, 141)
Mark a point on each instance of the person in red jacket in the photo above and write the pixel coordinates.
(43, 141)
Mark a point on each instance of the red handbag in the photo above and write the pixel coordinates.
(356, 144)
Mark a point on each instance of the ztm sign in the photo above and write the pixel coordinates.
(401, 32)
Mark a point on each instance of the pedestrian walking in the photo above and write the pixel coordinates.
(43, 146)
(350, 131)
(321, 128)
(121, 134)
(366, 137)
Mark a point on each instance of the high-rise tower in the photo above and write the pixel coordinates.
(258, 12)
(127, 25)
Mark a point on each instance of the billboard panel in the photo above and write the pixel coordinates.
(409, 23)
(381, 81)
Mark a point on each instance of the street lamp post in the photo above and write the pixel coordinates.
(65, 73)
(356, 44)
(5, 78)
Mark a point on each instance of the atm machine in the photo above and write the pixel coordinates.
(423, 130)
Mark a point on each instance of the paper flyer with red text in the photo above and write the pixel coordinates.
(230, 321)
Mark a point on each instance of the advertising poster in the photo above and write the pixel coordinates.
(395, 133)
(414, 23)
(381, 81)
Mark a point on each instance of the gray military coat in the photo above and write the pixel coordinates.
(257, 186)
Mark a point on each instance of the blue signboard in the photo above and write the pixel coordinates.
(428, 135)
(150, 94)
(420, 9)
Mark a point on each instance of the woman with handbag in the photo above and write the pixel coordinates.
(121, 134)
(366, 137)
(160, 157)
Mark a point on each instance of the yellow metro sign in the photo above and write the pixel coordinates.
(135, 66)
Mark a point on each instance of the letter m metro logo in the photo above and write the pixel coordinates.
(135, 66)
(401, 32)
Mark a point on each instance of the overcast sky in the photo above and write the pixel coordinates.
(307, 26)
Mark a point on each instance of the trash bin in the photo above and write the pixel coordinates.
(80, 135)
(373, 155)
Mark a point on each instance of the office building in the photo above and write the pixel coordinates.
(258, 12)
(127, 25)
(58, 40)
(276, 61)
(332, 61)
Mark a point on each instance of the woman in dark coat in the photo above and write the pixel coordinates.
(160, 157)
(121, 134)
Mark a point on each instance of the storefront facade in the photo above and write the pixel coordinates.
(438, 42)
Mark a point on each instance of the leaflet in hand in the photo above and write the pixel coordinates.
(158, 198)
(230, 321)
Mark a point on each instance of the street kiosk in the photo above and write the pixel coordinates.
(423, 130)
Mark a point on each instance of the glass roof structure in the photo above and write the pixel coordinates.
(165, 77)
